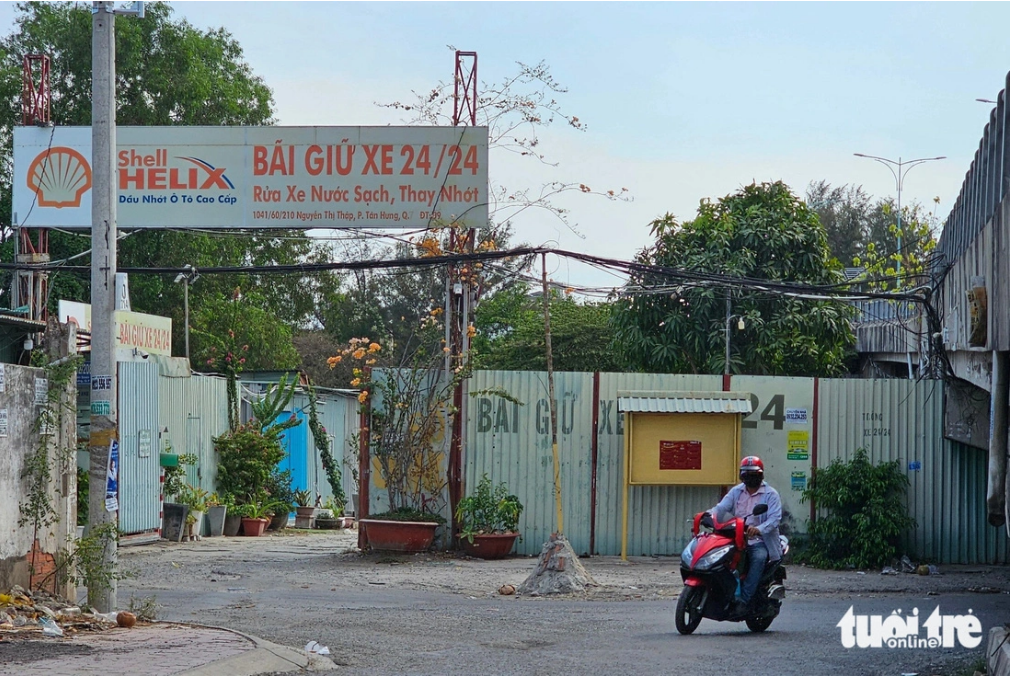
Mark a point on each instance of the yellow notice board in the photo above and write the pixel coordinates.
(688, 449)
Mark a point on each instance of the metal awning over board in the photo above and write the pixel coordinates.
(690, 402)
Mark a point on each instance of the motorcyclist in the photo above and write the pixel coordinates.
(762, 531)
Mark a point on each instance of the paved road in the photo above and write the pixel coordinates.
(391, 628)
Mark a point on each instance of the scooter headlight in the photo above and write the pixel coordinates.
(710, 559)
(687, 556)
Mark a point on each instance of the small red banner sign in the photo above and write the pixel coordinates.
(679, 455)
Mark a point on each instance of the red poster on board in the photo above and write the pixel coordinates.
(679, 455)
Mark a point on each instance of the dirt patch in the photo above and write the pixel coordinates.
(25, 651)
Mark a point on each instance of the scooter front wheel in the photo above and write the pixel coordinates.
(688, 613)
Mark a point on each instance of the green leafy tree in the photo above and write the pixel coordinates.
(863, 232)
(510, 333)
(848, 215)
(888, 266)
(168, 73)
(762, 231)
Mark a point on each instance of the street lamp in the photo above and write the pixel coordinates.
(739, 325)
(986, 101)
(899, 180)
(187, 277)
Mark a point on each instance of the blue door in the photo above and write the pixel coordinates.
(296, 446)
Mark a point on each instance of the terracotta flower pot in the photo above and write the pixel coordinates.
(489, 546)
(399, 536)
(254, 526)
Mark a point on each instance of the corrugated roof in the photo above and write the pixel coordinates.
(22, 322)
(684, 402)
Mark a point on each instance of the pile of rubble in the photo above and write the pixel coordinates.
(22, 611)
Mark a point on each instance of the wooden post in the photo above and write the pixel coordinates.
(553, 401)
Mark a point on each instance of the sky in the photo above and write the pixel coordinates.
(681, 101)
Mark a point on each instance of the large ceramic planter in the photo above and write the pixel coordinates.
(214, 520)
(254, 526)
(232, 524)
(399, 536)
(329, 523)
(173, 521)
(489, 546)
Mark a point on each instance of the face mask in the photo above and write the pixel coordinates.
(751, 480)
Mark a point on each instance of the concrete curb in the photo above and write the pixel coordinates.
(997, 653)
(264, 658)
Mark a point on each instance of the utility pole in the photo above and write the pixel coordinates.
(187, 277)
(729, 316)
(104, 379)
(104, 426)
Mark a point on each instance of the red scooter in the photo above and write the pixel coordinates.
(713, 566)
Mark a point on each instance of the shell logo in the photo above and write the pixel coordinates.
(59, 177)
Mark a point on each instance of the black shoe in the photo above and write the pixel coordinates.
(739, 609)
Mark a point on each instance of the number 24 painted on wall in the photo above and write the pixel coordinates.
(774, 412)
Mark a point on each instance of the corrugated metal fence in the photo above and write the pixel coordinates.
(192, 411)
(139, 465)
(892, 419)
(902, 420)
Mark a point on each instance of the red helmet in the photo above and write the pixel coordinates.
(752, 464)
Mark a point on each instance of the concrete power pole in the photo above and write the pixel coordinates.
(104, 426)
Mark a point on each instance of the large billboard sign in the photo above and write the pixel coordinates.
(134, 331)
(258, 177)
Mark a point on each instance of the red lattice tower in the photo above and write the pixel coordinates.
(464, 112)
(465, 93)
(31, 287)
(35, 92)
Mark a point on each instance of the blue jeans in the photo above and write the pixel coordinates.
(757, 557)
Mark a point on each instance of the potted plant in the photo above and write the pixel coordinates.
(248, 453)
(216, 515)
(281, 498)
(255, 518)
(326, 520)
(406, 435)
(175, 512)
(304, 510)
(233, 516)
(195, 499)
(489, 520)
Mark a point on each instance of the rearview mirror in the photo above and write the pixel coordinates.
(760, 509)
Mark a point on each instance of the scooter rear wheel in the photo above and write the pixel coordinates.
(759, 624)
(688, 615)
